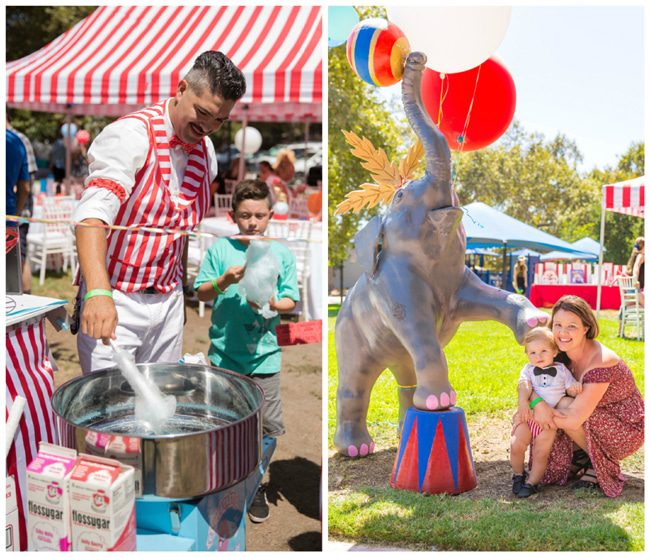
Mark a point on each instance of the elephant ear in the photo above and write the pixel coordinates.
(367, 244)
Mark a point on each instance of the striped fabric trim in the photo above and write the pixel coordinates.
(626, 197)
(107, 59)
(30, 375)
(110, 185)
(139, 261)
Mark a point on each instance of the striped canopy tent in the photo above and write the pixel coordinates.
(121, 58)
(628, 198)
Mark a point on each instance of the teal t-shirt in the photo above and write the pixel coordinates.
(241, 339)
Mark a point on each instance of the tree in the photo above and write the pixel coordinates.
(32, 27)
(620, 230)
(353, 106)
(532, 180)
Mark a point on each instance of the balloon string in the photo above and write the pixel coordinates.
(469, 110)
(444, 89)
(464, 132)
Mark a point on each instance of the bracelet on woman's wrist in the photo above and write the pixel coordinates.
(536, 401)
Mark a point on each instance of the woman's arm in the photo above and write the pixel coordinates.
(637, 267)
(582, 407)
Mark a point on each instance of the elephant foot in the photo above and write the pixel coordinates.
(528, 318)
(434, 399)
(354, 441)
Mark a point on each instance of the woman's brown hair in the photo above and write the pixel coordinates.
(576, 305)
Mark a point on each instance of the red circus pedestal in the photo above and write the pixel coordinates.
(434, 454)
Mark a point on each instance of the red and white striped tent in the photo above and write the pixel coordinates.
(121, 58)
(628, 198)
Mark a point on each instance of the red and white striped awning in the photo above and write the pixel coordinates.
(121, 58)
(625, 197)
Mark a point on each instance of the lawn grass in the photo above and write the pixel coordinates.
(484, 363)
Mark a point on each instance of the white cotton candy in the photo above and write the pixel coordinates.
(261, 277)
(151, 406)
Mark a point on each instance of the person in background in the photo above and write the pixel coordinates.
(520, 278)
(639, 243)
(276, 185)
(57, 162)
(639, 270)
(284, 166)
(28, 210)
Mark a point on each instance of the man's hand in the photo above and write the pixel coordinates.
(99, 318)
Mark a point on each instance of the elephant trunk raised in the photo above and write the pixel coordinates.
(415, 290)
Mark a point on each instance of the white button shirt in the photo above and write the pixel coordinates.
(117, 154)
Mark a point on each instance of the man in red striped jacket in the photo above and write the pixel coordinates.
(151, 168)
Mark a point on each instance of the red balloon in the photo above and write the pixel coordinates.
(83, 137)
(491, 112)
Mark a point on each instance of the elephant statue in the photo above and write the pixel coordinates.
(415, 290)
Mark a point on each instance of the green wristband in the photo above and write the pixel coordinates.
(536, 401)
(216, 287)
(98, 292)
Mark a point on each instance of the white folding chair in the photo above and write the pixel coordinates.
(222, 204)
(195, 253)
(631, 311)
(56, 238)
(296, 234)
(290, 229)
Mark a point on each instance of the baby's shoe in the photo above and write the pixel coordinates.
(527, 490)
(518, 480)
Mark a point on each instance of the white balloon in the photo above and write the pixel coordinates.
(281, 208)
(455, 39)
(253, 140)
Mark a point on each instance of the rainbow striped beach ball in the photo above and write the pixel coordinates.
(376, 51)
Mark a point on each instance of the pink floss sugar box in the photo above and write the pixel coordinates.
(48, 503)
(102, 499)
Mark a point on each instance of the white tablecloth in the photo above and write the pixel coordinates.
(223, 227)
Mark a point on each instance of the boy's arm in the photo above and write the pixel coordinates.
(232, 275)
(524, 389)
(283, 305)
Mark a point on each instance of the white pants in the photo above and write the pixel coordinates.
(150, 328)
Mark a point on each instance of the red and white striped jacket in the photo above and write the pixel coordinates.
(137, 259)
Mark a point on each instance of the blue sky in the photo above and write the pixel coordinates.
(579, 70)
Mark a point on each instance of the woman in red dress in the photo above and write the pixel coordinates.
(604, 424)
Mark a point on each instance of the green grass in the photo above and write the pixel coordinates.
(484, 363)
(586, 522)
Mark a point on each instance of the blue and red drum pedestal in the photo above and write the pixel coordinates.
(434, 454)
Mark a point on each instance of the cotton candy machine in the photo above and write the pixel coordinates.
(195, 476)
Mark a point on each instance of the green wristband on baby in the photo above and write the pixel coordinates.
(536, 401)
(98, 292)
(216, 287)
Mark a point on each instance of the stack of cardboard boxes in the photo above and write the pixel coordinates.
(79, 502)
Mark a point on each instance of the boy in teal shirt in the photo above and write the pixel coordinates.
(241, 340)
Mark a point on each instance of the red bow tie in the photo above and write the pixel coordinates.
(176, 142)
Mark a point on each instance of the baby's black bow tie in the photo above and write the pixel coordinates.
(545, 371)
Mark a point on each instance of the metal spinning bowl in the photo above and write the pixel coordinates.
(212, 442)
